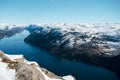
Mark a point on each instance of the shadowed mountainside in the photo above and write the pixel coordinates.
(94, 44)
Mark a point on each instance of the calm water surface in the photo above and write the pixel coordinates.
(60, 66)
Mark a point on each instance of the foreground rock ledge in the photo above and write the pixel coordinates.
(25, 70)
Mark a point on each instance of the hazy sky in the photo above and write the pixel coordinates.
(50, 11)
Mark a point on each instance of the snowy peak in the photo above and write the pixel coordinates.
(86, 27)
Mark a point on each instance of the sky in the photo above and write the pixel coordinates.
(59, 11)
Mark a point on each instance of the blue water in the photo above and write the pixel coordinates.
(58, 65)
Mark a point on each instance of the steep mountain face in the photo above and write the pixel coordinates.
(9, 30)
(15, 67)
(97, 44)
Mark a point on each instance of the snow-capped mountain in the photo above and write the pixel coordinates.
(97, 44)
(103, 34)
(15, 67)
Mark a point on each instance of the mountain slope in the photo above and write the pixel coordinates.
(97, 44)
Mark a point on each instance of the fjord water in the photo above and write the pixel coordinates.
(58, 65)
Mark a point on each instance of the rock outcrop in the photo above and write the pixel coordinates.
(25, 70)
